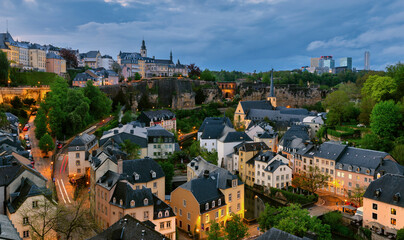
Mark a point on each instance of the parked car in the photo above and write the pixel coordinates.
(26, 137)
(59, 145)
(26, 127)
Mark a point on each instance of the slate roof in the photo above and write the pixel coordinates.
(295, 132)
(142, 167)
(390, 184)
(129, 228)
(12, 168)
(83, 77)
(254, 146)
(307, 151)
(223, 178)
(235, 137)
(6, 37)
(213, 131)
(365, 159)
(109, 179)
(155, 116)
(198, 165)
(389, 166)
(330, 150)
(204, 189)
(123, 191)
(276, 234)
(90, 54)
(52, 55)
(136, 135)
(265, 156)
(278, 115)
(249, 105)
(25, 190)
(161, 206)
(274, 165)
(215, 121)
(8, 231)
(158, 131)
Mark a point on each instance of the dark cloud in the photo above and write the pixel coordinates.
(244, 35)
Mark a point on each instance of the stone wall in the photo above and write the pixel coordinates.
(37, 93)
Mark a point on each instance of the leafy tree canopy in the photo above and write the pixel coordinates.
(386, 119)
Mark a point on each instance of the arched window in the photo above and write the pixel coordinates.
(213, 204)
(132, 203)
(160, 214)
(121, 202)
(206, 206)
(219, 202)
(146, 201)
(167, 213)
(114, 200)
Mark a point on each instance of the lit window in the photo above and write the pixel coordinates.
(393, 221)
(374, 206)
(393, 211)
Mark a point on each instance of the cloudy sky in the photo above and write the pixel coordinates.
(243, 35)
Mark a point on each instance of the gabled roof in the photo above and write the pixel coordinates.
(143, 168)
(223, 178)
(90, 54)
(274, 165)
(8, 231)
(213, 131)
(235, 137)
(365, 159)
(157, 115)
(389, 166)
(161, 206)
(158, 131)
(247, 105)
(199, 165)
(248, 147)
(83, 77)
(204, 189)
(390, 185)
(109, 179)
(295, 132)
(129, 228)
(123, 191)
(276, 234)
(265, 156)
(52, 55)
(25, 190)
(215, 121)
(330, 150)
(119, 134)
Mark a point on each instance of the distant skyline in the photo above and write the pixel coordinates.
(243, 35)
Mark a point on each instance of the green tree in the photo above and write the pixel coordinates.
(127, 117)
(132, 149)
(386, 119)
(4, 68)
(16, 102)
(336, 103)
(215, 231)
(40, 124)
(4, 123)
(100, 104)
(400, 234)
(398, 153)
(266, 78)
(311, 180)
(168, 169)
(137, 76)
(207, 75)
(333, 219)
(267, 217)
(46, 143)
(379, 88)
(235, 228)
(366, 106)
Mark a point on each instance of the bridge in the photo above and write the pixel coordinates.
(37, 93)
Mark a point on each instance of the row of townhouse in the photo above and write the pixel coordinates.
(134, 62)
(154, 142)
(348, 168)
(210, 194)
(99, 76)
(31, 56)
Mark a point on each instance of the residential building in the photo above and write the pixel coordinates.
(81, 80)
(160, 142)
(263, 132)
(228, 89)
(164, 118)
(211, 130)
(213, 121)
(227, 142)
(295, 138)
(272, 170)
(55, 64)
(10, 47)
(106, 62)
(211, 197)
(346, 62)
(135, 134)
(79, 152)
(23, 54)
(197, 166)
(128, 228)
(8, 231)
(315, 123)
(91, 59)
(383, 205)
(37, 57)
(243, 160)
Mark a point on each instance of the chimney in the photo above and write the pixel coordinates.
(131, 131)
(116, 131)
(120, 125)
(120, 166)
(206, 174)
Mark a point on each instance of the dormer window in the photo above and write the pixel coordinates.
(136, 176)
(213, 204)
(367, 171)
(146, 201)
(234, 183)
(378, 192)
(114, 200)
(358, 169)
(206, 206)
(132, 203)
(167, 213)
(219, 202)
(160, 214)
(349, 168)
(77, 148)
(340, 166)
(121, 202)
(397, 197)
(153, 174)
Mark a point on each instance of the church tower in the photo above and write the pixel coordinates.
(271, 97)
(171, 56)
(143, 50)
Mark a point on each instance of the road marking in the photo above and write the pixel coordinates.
(61, 180)
(57, 181)
(67, 161)
(61, 167)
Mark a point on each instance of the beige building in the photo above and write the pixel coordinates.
(37, 57)
(91, 59)
(23, 54)
(383, 204)
(9, 46)
(80, 150)
(55, 64)
(212, 197)
(272, 170)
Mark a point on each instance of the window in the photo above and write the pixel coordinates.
(34, 204)
(206, 206)
(217, 214)
(277, 178)
(222, 212)
(350, 176)
(207, 218)
(374, 216)
(365, 179)
(25, 220)
(189, 216)
(393, 211)
(146, 201)
(180, 212)
(331, 171)
(169, 224)
(229, 197)
(155, 185)
(229, 210)
(160, 214)
(166, 213)
(213, 204)
(238, 206)
(234, 183)
(132, 203)
(175, 210)
(26, 234)
(77, 155)
(374, 206)
(184, 202)
(393, 221)
(350, 184)
(145, 215)
(161, 225)
(78, 163)
(238, 194)
(78, 170)
(219, 202)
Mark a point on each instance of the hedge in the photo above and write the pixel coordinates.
(294, 197)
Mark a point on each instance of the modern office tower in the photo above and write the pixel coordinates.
(346, 62)
(326, 62)
(367, 60)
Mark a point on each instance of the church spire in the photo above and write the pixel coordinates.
(143, 45)
(171, 55)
